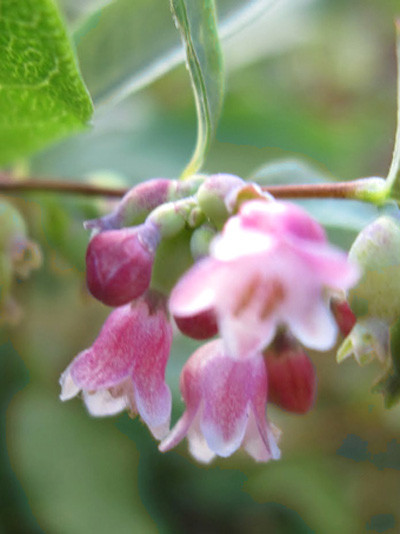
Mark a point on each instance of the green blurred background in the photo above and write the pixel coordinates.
(313, 79)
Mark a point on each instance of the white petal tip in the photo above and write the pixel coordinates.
(69, 389)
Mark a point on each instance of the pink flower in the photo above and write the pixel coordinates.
(125, 366)
(291, 375)
(271, 266)
(225, 406)
(119, 263)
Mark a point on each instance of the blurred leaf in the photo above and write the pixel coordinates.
(198, 26)
(63, 226)
(78, 473)
(128, 44)
(42, 97)
(77, 10)
(314, 487)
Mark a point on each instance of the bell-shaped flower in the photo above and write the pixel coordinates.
(271, 266)
(225, 406)
(291, 375)
(119, 263)
(125, 366)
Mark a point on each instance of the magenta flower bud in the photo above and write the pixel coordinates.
(199, 326)
(344, 315)
(119, 263)
(225, 407)
(125, 366)
(291, 375)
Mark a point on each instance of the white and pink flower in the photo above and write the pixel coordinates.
(225, 406)
(125, 366)
(271, 266)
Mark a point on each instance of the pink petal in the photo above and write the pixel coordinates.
(178, 433)
(152, 395)
(227, 390)
(198, 446)
(195, 291)
(260, 447)
(315, 328)
(110, 360)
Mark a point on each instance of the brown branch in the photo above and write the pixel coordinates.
(57, 186)
(325, 190)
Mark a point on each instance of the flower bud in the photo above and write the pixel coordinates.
(213, 194)
(202, 325)
(377, 251)
(142, 199)
(343, 314)
(291, 375)
(119, 263)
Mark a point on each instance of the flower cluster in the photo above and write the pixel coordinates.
(263, 281)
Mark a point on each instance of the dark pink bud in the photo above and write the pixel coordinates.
(119, 263)
(344, 317)
(291, 375)
(202, 325)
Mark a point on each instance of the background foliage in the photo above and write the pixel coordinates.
(311, 77)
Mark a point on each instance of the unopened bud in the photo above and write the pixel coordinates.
(343, 314)
(202, 325)
(119, 263)
(291, 375)
(377, 252)
(213, 194)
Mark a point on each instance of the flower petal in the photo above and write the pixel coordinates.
(262, 447)
(315, 328)
(152, 395)
(69, 389)
(195, 291)
(101, 403)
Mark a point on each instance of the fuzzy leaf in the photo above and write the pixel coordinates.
(42, 96)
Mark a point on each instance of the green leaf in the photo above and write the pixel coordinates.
(42, 97)
(393, 178)
(126, 45)
(198, 26)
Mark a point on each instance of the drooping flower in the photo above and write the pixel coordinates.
(225, 406)
(119, 263)
(271, 266)
(125, 366)
(291, 375)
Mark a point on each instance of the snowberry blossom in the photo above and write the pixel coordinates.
(225, 406)
(125, 366)
(119, 263)
(271, 266)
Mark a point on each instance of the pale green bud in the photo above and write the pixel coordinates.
(377, 252)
